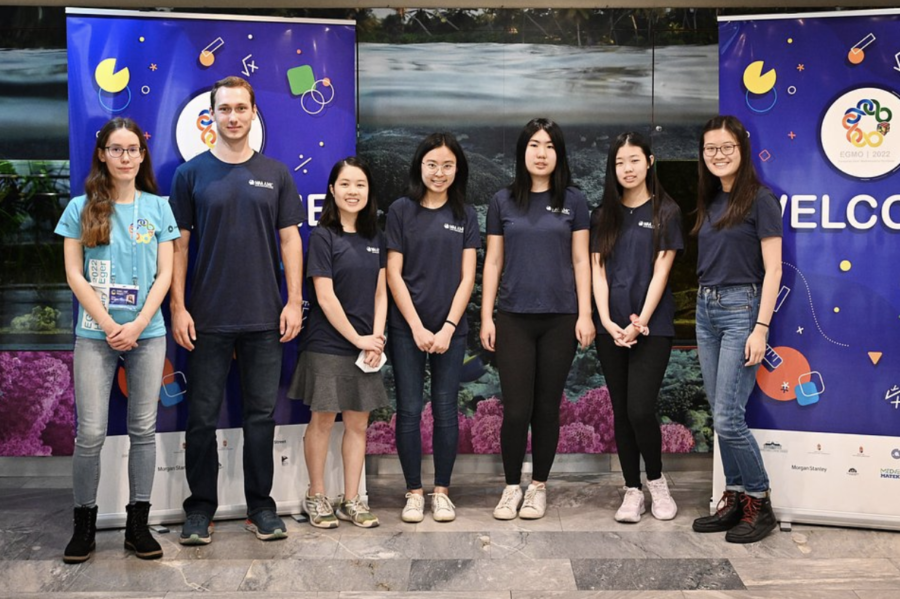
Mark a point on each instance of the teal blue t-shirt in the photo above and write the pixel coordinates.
(131, 257)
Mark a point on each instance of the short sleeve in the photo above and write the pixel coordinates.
(768, 215)
(290, 206)
(673, 236)
(181, 199)
(581, 219)
(393, 228)
(382, 251)
(473, 235)
(319, 261)
(494, 218)
(70, 222)
(168, 228)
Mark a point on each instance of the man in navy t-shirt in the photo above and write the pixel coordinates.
(241, 208)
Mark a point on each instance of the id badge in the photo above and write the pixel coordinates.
(123, 297)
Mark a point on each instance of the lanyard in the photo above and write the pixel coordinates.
(133, 235)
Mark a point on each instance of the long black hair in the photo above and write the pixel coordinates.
(456, 193)
(367, 219)
(560, 180)
(607, 218)
(746, 181)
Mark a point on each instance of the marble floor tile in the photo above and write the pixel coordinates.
(427, 595)
(157, 575)
(490, 575)
(419, 545)
(883, 594)
(564, 545)
(329, 575)
(846, 573)
(482, 520)
(764, 594)
(655, 574)
(598, 595)
(258, 595)
(90, 595)
(304, 544)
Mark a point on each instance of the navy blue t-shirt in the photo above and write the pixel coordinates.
(353, 264)
(432, 244)
(629, 268)
(538, 277)
(234, 212)
(733, 256)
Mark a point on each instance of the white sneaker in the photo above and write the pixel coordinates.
(442, 509)
(662, 505)
(415, 508)
(508, 507)
(535, 503)
(632, 506)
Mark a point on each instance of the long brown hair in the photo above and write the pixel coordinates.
(100, 189)
(607, 218)
(746, 182)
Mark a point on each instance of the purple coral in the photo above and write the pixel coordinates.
(465, 435)
(595, 410)
(380, 438)
(676, 438)
(577, 437)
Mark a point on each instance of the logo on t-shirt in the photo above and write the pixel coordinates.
(143, 233)
(262, 184)
(645, 223)
(372, 250)
(454, 228)
(558, 210)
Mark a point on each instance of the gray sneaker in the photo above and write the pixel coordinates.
(197, 530)
(356, 511)
(319, 511)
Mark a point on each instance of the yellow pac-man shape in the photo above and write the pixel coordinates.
(108, 79)
(756, 81)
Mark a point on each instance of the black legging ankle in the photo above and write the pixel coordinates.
(534, 355)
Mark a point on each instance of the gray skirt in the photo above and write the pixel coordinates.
(328, 383)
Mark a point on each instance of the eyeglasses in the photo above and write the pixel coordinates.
(727, 150)
(433, 167)
(117, 151)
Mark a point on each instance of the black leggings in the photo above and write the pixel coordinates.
(534, 355)
(634, 377)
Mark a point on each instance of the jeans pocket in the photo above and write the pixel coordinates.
(737, 301)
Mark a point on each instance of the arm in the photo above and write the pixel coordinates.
(126, 337)
(292, 256)
(662, 266)
(182, 323)
(490, 283)
(335, 314)
(601, 297)
(373, 357)
(422, 336)
(74, 262)
(581, 263)
(460, 302)
(756, 343)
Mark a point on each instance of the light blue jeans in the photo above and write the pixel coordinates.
(725, 318)
(95, 368)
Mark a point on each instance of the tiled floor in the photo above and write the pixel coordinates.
(576, 552)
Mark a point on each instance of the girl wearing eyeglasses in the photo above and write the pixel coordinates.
(635, 234)
(739, 233)
(432, 236)
(118, 257)
(538, 263)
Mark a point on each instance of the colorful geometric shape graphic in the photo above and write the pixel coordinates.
(110, 80)
(207, 58)
(791, 367)
(301, 79)
(755, 81)
(875, 356)
(806, 394)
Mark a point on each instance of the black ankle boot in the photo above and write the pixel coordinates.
(758, 520)
(82, 544)
(728, 514)
(137, 535)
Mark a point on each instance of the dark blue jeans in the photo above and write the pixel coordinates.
(408, 363)
(259, 363)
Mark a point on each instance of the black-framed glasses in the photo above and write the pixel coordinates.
(726, 149)
(117, 151)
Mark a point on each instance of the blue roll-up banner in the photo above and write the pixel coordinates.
(818, 94)
(158, 68)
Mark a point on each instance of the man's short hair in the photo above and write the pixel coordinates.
(231, 82)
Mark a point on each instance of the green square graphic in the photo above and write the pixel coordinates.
(301, 79)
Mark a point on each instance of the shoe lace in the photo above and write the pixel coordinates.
(82, 524)
(441, 501)
(751, 506)
(632, 497)
(197, 520)
(508, 499)
(357, 506)
(531, 496)
(323, 506)
(726, 502)
(660, 490)
(416, 502)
